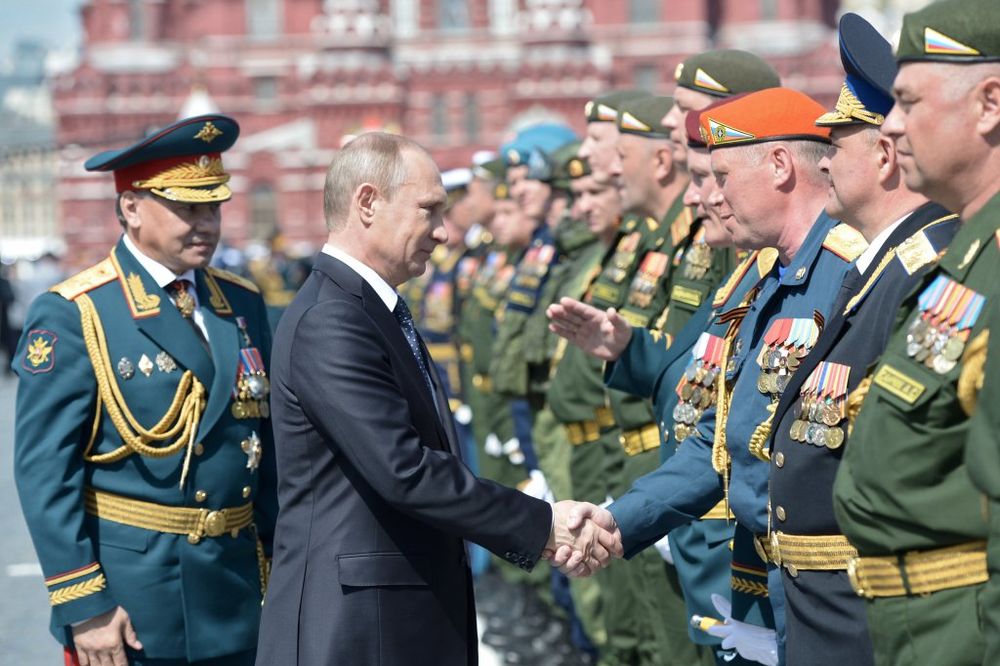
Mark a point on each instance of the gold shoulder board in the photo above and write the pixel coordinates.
(765, 260)
(233, 278)
(86, 280)
(917, 251)
(846, 242)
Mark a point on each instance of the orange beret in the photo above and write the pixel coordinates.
(775, 114)
(696, 136)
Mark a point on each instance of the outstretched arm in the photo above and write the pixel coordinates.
(600, 333)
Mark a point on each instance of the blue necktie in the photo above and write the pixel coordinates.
(405, 319)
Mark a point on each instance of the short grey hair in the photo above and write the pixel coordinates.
(374, 157)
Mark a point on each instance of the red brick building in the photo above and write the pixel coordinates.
(456, 75)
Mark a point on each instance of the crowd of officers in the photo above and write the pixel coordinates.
(792, 421)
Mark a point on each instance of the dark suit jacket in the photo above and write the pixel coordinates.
(369, 565)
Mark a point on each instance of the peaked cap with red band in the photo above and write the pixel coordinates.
(181, 162)
(775, 114)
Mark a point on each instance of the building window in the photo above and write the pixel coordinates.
(439, 118)
(646, 77)
(471, 118)
(264, 18)
(453, 14)
(136, 19)
(265, 89)
(263, 211)
(644, 11)
(768, 10)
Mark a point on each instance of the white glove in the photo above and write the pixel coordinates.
(663, 548)
(463, 415)
(512, 449)
(492, 446)
(537, 487)
(750, 641)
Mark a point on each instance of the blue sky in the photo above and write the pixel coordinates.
(53, 22)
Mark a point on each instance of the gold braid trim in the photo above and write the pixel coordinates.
(78, 591)
(855, 399)
(761, 435)
(190, 174)
(720, 454)
(750, 587)
(180, 421)
(970, 381)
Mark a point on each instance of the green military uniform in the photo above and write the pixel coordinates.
(903, 495)
(143, 452)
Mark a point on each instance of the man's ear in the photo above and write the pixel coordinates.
(780, 163)
(128, 204)
(988, 98)
(366, 202)
(664, 162)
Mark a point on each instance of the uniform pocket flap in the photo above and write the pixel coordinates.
(382, 569)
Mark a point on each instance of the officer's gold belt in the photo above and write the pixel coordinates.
(585, 432)
(483, 383)
(640, 439)
(919, 571)
(442, 352)
(719, 512)
(806, 552)
(195, 523)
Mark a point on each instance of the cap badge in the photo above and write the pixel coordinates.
(936, 42)
(588, 107)
(513, 157)
(722, 133)
(606, 113)
(630, 122)
(208, 133)
(702, 79)
(575, 168)
(501, 191)
(679, 71)
(849, 107)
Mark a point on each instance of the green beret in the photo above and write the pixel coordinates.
(566, 166)
(643, 117)
(726, 72)
(955, 31)
(604, 109)
(493, 169)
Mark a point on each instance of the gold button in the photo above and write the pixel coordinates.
(199, 449)
(193, 539)
(234, 532)
(779, 459)
(792, 571)
(780, 512)
(200, 496)
(246, 491)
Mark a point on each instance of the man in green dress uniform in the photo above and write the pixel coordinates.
(143, 450)
(902, 495)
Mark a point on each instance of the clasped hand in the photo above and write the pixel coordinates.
(584, 538)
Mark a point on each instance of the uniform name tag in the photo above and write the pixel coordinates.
(606, 293)
(902, 386)
(685, 295)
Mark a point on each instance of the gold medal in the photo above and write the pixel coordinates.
(835, 438)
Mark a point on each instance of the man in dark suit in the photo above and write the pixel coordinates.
(369, 566)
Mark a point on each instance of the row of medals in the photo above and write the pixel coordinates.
(250, 402)
(817, 421)
(777, 366)
(697, 261)
(937, 348)
(697, 395)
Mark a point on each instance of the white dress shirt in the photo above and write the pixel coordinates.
(163, 276)
(866, 258)
(381, 287)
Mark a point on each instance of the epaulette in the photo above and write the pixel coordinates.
(86, 280)
(846, 242)
(652, 225)
(681, 226)
(765, 260)
(723, 293)
(917, 251)
(238, 280)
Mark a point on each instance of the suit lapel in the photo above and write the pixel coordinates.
(444, 409)
(224, 341)
(157, 317)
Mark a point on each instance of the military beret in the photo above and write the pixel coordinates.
(487, 165)
(544, 136)
(775, 114)
(726, 72)
(181, 162)
(955, 31)
(642, 116)
(604, 109)
(696, 136)
(566, 166)
(866, 96)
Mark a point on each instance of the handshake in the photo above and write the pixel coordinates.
(584, 538)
